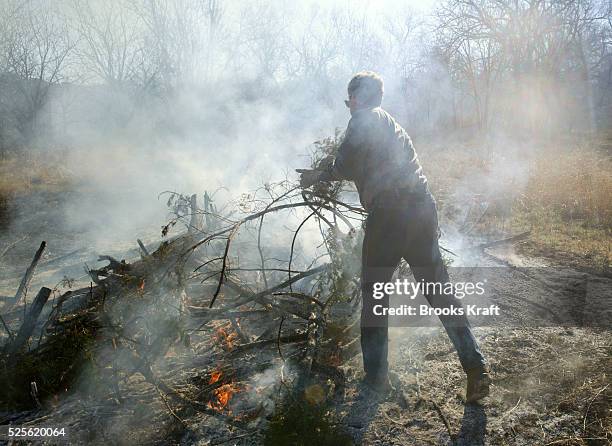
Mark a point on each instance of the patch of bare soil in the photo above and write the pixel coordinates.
(551, 385)
(583, 262)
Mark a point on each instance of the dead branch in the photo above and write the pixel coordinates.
(290, 339)
(12, 245)
(59, 258)
(312, 335)
(6, 328)
(295, 234)
(28, 275)
(250, 297)
(223, 266)
(143, 248)
(29, 322)
(302, 296)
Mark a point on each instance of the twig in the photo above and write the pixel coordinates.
(388, 417)
(444, 419)
(249, 297)
(254, 217)
(302, 295)
(282, 270)
(163, 398)
(447, 250)
(586, 413)
(355, 209)
(290, 339)
(8, 330)
(198, 311)
(214, 259)
(511, 410)
(293, 243)
(223, 265)
(12, 245)
(278, 339)
(261, 256)
(58, 258)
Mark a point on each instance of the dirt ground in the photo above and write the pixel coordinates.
(551, 385)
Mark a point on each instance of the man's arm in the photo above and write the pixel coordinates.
(347, 162)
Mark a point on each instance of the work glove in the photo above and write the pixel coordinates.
(308, 177)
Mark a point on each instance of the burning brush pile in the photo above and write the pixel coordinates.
(228, 322)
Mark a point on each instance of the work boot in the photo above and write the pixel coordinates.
(478, 382)
(379, 384)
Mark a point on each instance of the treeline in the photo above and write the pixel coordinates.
(74, 69)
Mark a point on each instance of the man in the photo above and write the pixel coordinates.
(378, 155)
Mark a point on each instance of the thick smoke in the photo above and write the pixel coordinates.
(142, 97)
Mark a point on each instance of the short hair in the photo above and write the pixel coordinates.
(367, 87)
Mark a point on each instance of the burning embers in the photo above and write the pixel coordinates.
(222, 395)
(215, 376)
(225, 337)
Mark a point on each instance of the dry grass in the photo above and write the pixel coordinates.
(566, 200)
(22, 173)
(568, 207)
(576, 186)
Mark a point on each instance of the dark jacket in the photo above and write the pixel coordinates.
(378, 155)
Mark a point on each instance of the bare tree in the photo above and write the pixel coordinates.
(263, 41)
(532, 49)
(35, 50)
(111, 46)
(183, 37)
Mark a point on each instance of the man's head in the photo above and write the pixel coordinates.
(365, 90)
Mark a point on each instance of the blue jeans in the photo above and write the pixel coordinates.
(407, 228)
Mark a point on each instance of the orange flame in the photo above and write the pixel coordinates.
(226, 338)
(215, 376)
(223, 395)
